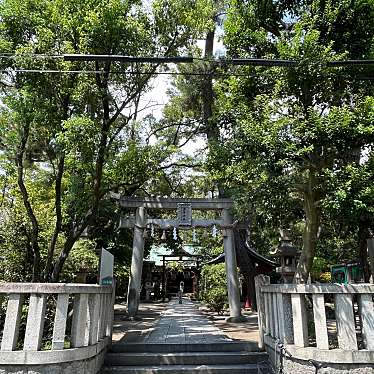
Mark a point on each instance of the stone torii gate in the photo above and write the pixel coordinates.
(184, 207)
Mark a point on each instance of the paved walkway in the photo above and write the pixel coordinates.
(184, 323)
(177, 323)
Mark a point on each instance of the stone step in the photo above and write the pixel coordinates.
(184, 358)
(231, 346)
(183, 369)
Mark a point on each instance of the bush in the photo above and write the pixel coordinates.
(319, 269)
(216, 299)
(213, 286)
(325, 277)
(82, 259)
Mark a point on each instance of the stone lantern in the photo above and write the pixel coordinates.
(288, 255)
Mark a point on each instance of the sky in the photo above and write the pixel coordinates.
(157, 98)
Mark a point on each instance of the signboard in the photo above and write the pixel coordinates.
(184, 214)
(106, 268)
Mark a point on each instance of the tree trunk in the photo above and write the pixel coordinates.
(211, 128)
(363, 235)
(207, 88)
(58, 224)
(69, 243)
(34, 235)
(311, 230)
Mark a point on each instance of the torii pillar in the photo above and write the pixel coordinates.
(133, 294)
(231, 269)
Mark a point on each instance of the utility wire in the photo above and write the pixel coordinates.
(175, 60)
(172, 73)
(185, 59)
(123, 72)
(121, 58)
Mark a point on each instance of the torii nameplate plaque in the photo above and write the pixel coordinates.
(184, 214)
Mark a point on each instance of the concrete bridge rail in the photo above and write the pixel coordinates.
(328, 325)
(82, 327)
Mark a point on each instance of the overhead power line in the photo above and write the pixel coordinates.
(121, 58)
(189, 59)
(259, 62)
(127, 72)
(183, 59)
(290, 63)
(350, 62)
(174, 60)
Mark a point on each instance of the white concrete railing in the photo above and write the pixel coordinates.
(91, 324)
(284, 315)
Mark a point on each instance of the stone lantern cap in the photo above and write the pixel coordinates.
(285, 248)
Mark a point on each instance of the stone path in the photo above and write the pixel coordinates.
(134, 331)
(179, 339)
(184, 323)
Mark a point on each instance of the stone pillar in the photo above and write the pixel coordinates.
(231, 269)
(163, 279)
(261, 280)
(133, 295)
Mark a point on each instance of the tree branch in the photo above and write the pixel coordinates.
(58, 224)
(180, 165)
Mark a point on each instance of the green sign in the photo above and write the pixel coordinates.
(108, 281)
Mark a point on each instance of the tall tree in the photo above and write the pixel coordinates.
(77, 126)
(299, 123)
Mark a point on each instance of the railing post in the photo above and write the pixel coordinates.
(12, 320)
(275, 315)
(59, 328)
(320, 324)
(111, 311)
(267, 313)
(345, 322)
(35, 322)
(269, 296)
(286, 306)
(261, 280)
(79, 324)
(300, 322)
(367, 317)
(281, 317)
(94, 314)
(102, 317)
(108, 308)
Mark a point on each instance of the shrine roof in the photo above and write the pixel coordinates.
(252, 253)
(157, 252)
